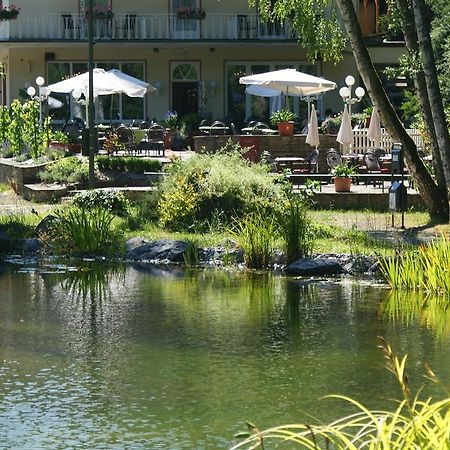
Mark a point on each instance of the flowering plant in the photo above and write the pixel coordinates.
(184, 12)
(171, 120)
(100, 13)
(9, 12)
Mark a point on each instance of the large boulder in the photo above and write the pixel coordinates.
(314, 267)
(163, 250)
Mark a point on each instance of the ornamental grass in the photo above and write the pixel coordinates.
(425, 269)
(414, 424)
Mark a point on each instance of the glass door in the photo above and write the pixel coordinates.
(185, 23)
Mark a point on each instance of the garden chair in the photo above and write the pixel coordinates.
(126, 138)
(218, 128)
(333, 158)
(153, 144)
(310, 164)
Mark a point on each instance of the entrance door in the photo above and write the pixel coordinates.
(185, 87)
(183, 26)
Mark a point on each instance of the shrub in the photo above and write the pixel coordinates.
(109, 199)
(130, 163)
(66, 170)
(219, 185)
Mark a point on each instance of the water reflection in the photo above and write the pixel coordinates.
(147, 357)
(411, 308)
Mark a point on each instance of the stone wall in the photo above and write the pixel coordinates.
(276, 145)
(18, 174)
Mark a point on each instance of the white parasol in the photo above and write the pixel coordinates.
(290, 82)
(345, 134)
(105, 83)
(312, 138)
(374, 132)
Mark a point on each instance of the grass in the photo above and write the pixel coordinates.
(413, 424)
(5, 187)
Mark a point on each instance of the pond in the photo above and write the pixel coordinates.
(112, 357)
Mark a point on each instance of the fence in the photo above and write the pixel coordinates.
(361, 142)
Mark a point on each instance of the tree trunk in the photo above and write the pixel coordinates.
(410, 34)
(435, 202)
(434, 93)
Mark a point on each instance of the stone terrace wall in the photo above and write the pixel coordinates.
(276, 145)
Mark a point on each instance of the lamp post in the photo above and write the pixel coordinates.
(43, 93)
(346, 93)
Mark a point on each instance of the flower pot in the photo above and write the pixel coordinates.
(286, 128)
(342, 184)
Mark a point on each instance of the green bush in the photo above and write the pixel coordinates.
(66, 170)
(109, 199)
(219, 185)
(129, 163)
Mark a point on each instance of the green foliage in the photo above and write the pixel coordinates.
(84, 232)
(426, 269)
(129, 163)
(190, 256)
(171, 120)
(282, 115)
(256, 233)
(413, 424)
(343, 170)
(296, 229)
(66, 170)
(112, 144)
(221, 185)
(315, 22)
(109, 199)
(61, 136)
(18, 226)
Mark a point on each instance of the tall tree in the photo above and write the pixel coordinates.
(320, 12)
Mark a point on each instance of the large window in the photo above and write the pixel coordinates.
(107, 107)
(242, 107)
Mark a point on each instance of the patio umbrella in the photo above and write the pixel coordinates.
(374, 132)
(105, 83)
(290, 82)
(345, 134)
(312, 138)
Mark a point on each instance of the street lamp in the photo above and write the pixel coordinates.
(346, 93)
(43, 94)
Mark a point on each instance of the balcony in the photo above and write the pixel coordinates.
(147, 27)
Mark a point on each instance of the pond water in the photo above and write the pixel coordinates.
(100, 357)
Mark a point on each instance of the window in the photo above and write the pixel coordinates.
(108, 107)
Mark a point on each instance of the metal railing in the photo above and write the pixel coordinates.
(73, 27)
(361, 142)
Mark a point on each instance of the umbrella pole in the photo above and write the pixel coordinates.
(91, 94)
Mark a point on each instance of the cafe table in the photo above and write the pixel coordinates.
(289, 162)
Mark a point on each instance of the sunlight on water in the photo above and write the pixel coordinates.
(112, 357)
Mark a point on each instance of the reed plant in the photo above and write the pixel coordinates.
(256, 234)
(190, 256)
(425, 269)
(81, 231)
(413, 424)
(295, 229)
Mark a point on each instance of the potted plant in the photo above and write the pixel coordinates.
(9, 12)
(342, 176)
(284, 120)
(171, 123)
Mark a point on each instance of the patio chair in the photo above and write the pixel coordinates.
(310, 164)
(153, 144)
(126, 138)
(144, 125)
(218, 128)
(333, 158)
(259, 127)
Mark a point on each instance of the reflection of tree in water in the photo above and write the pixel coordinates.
(409, 307)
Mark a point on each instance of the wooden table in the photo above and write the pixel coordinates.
(289, 162)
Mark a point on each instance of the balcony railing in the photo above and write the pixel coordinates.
(73, 27)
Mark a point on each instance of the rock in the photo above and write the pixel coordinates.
(163, 250)
(45, 225)
(359, 265)
(314, 267)
(133, 243)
